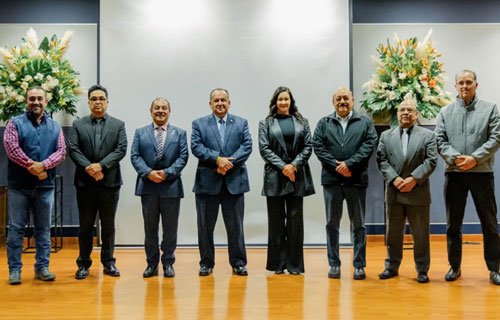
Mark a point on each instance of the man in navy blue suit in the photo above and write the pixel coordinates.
(222, 143)
(159, 153)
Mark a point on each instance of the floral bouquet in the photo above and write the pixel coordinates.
(406, 68)
(35, 64)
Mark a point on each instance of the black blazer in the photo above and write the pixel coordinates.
(112, 149)
(272, 148)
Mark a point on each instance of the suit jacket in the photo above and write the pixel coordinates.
(112, 149)
(206, 145)
(273, 150)
(144, 159)
(419, 162)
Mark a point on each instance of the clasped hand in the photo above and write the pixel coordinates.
(343, 169)
(95, 171)
(464, 162)
(404, 185)
(157, 176)
(224, 164)
(38, 169)
(289, 171)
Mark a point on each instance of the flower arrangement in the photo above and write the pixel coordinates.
(406, 68)
(34, 64)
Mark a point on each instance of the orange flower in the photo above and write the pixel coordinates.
(432, 83)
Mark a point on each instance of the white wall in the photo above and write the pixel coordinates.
(183, 49)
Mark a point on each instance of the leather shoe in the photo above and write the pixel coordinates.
(387, 274)
(359, 274)
(294, 273)
(495, 277)
(111, 270)
(334, 272)
(422, 277)
(81, 273)
(15, 277)
(453, 275)
(279, 271)
(45, 275)
(150, 272)
(168, 271)
(204, 271)
(240, 271)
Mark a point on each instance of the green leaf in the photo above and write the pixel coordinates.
(44, 46)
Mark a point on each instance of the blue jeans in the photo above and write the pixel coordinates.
(20, 201)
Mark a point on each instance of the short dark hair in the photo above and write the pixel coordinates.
(36, 88)
(218, 89)
(98, 87)
(466, 71)
(159, 99)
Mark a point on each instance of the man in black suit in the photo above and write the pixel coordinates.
(97, 144)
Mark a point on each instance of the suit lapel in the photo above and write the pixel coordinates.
(298, 128)
(229, 128)
(151, 135)
(413, 142)
(90, 133)
(397, 147)
(276, 131)
(168, 137)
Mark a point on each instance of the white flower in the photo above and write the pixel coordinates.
(422, 45)
(60, 92)
(24, 86)
(36, 54)
(55, 70)
(32, 39)
(12, 94)
(48, 95)
(394, 82)
(391, 95)
(20, 98)
(12, 76)
(402, 75)
(39, 76)
(5, 54)
(65, 41)
(28, 78)
(2, 90)
(45, 86)
(49, 77)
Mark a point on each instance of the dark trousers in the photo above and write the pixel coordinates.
(285, 247)
(92, 201)
(482, 188)
(207, 208)
(154, 207)
(418, 218)
(355, 197)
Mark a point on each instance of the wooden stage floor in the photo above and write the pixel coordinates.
(261, 295)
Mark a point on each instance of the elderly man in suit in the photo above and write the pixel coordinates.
(406, 157)
(97, 144)
(222, 143)
(159, 153)
(344, 142)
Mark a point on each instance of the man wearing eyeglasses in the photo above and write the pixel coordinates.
(406, 157)
(97, 144)
(468, 136)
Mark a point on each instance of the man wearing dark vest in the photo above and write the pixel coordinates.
(34, 144)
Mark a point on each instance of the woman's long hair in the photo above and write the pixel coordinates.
(273, 108)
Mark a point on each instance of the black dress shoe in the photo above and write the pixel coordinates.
(204, 271)
(422, 277)
(111, 270)
(359, 274)
(150, 272)
(453, 275)
(240, 271)
(387, 274)
(81, 273)
(334, 272)
(279, 271)
(168, 271)
(495, 277)
(294, 273)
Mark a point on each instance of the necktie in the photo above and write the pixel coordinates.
(222, 129)
(404, 140)
(159, 142)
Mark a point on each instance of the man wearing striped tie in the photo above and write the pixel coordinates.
(159, 153)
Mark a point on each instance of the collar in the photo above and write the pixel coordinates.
(347, 118)
(163, 127)
(217, 119)
(461, 102)
(102, 118)
(408, 131)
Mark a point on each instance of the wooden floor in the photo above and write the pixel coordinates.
(261, 295)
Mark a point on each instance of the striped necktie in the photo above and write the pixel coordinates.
(222, 129)
(159, 142)
(404, 140)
